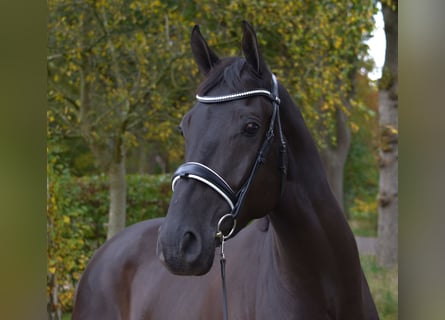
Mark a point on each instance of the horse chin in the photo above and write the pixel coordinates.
(181, 268)
(180, 263)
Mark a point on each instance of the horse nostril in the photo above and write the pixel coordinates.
(190, 245)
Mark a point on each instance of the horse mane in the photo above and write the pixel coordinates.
(236, 74)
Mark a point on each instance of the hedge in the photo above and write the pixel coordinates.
(77, 216)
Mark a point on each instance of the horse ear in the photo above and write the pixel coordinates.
(205, 58)
(251, 49)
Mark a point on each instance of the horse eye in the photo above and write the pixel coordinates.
(251, 128)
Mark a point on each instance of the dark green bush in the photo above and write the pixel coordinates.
(148, 197)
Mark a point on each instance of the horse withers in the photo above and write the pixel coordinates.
(249, 156)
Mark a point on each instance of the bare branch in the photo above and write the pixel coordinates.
(54, 57)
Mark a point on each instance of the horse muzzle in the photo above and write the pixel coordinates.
(185, 254)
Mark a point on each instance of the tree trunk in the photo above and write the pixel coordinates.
(54, 307)
(118, 194)
(388, 111)
(334, 157)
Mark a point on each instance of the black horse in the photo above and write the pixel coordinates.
(249, 155)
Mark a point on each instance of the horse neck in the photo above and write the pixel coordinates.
(311, 235)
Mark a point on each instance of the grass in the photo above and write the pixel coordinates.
(383, 284)
(363, 217)
(363, 227)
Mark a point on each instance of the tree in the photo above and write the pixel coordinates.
(106, 61)
(388, 122)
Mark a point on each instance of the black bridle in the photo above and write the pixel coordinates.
(204, 174)
(200, 172)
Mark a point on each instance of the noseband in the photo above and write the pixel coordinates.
(206, 175)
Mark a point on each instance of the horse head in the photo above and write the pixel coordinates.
(233, 150)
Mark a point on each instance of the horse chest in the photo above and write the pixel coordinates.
(274, 301)
(257, 291)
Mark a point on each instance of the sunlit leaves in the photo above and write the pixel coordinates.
(107, 58)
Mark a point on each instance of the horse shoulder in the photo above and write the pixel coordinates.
(104, 289)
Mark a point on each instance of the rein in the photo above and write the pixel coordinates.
(200, 172)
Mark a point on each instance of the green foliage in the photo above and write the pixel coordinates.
(77, 216)
(361, 168)
(361, 184)
(111, 67)
(122, 70)
(383, 284)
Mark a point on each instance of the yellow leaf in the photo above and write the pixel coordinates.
(354, 127)
(66, 219)
(325, 107)
(338, 42)
(52, 270)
